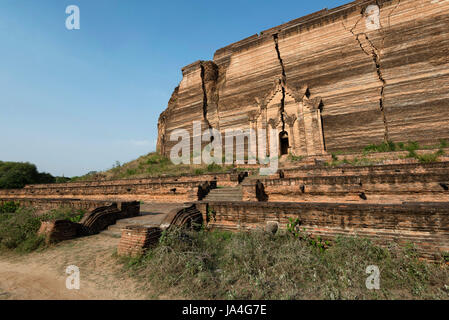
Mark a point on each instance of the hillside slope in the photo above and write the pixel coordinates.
(150, 165)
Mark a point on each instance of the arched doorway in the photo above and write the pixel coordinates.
(283, 142)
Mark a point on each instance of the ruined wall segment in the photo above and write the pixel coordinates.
(424, 225)
(329, 80)
(415, 66)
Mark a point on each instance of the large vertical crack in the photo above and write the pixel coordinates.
(376, 56)
(283, 80)
(203, 86)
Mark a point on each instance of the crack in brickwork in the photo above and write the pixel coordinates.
(375, 54)
(283, 80)
(203, 86)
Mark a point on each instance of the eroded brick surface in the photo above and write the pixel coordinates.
(329, 80)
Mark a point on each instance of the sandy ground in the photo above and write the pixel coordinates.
(41, 275)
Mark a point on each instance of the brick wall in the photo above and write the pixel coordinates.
(220, 177)
(373, 184)
(44, 205)
(174, 191)
(135, 239)
(425, 225)
(307, 171)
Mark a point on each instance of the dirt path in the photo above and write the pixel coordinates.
(41, 275)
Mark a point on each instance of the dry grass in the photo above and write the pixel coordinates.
(256, 265)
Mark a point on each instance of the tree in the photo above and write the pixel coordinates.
(15, 175)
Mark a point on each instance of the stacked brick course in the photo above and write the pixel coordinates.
(424, 224)
(136, 239)
(59, 230)
(166, 191)
(373, 184)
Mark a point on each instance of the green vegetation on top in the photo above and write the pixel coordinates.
(411, 147)
(294, 158)
(152, 165)
(257, 265)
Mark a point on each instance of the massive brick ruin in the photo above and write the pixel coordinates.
(328, 81)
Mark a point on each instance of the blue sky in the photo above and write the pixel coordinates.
(76, 101)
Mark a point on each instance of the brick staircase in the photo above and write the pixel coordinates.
(151, 215)
(225, 194)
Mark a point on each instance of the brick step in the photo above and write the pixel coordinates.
(225, 198)
(225, 194)
(227, 190)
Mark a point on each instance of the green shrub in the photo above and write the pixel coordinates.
(390, 146)
(412, 154)
(355, 162)
(294, 158)
(62, 179)
(156, 158)
(445, 256)
(411, 146)
(15, 175)
(131, 172)
(213, 167)
(199, 171)
(18, 231)
(430, 157)
(63, 214)
(293, 227)
(383, 147)
(9, 206)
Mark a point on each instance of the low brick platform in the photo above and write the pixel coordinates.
(42, 205)
(173, 189)
(424, 224)
(370, 184)
(136, 239)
